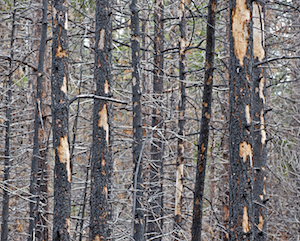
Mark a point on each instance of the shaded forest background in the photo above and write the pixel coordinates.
(19, 54)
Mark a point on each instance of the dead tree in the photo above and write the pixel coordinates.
(7, 151)
(156, 168)
(101, 152)
(258, 119)
(183, 43)
(247, 125)
(138, 213)
(205, 120)
(60, 122)
(39, 143)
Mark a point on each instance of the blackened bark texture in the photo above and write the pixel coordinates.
(155, 220)
(138, 213)
(183, 43)
(38, 145)
(205, 120)
(60, 121)
(8, 85)
(258, 118)
(240, 128)
(101, 152)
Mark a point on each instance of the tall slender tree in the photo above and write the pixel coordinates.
(181, 108)
(247, 125)
(138, 213)
(60, 122)
(39, 137)
(7, 151)
(156, 204)
(101, 152)
(205, 121)
(258, 119)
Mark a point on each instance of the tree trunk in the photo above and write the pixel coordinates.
(206, 114)
(60, 119)
(101, 153)
(247, 124)
(7, 163)
(259, 132)
(138, 213)
(181, 121)
(241, 156)
(39, 141)
(156, 203)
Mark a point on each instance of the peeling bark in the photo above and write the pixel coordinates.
(247, 130)
(240, 127)
(101, 162)
(60, 122)
(205, 120)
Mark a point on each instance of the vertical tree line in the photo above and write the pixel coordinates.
(101, 152)
(247, 125)
(156, 166)
(38, 154)
(60, 122)
(7, 151)
(156, 82)
(205, 120)
(137, 147)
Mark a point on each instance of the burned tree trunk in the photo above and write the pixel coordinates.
(60, 121)
(7, 163)
(138, 213)
(206, 114)
(247, 125)
(181, 121)
(39, 140)
(259, 131)
(156, 168)
(101, 153)
(240, 140)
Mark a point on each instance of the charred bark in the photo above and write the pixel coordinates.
(101, 152)
(247, 123)
(156, 204)
(8, 84)
(39, 141)
(241, 219)
(60, 121)
(138, 213)
(259, 130)
(205, 120)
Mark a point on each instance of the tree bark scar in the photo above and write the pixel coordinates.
(245, 150)
(240, 29)
(258, 34)
(64, 154)
(261, 222)
(262, 128)
(103, 121)
(247, 113)
(245, 220)
(64, 87)
(98, 238)
(106, 87)
(102, 39)
(61, 52)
